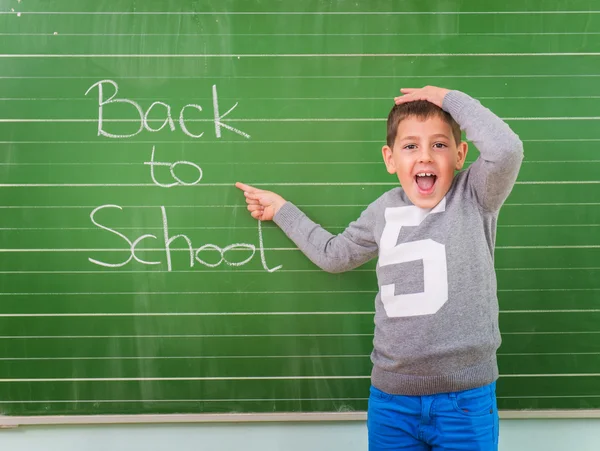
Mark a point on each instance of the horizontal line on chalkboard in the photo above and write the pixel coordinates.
(321, 119)
(573, 268)
(273, 249)
(148, 293)
(218, 271)
(526, 290)
(171, 293)
(553, 204)
(525, 226)
(109, 314)
(205, 378)
(69, 207)
(75, 207)
(266, 163)
(314, 356)
(509, 204)
(583, 246)
(302, 77)
(245, 357)
(552, 375)
(521, 97)
(66, 401)
(78, 99)
(212, 142)
(245, 336)
(575, 332)
(228, 271)
(106, 185)
(379, 141)
(94, 185)
(47, 337)
(244, 378)
(292, 55)
(151, 249)
(143, 401)
(167, 314)
(553, 311)
(537, 397)
(275, 163)
(512, 354)
(200, 120)
(253, 271)
(294, 13)
(533, 33)
(146, 228)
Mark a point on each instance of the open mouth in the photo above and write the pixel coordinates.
(425, 182)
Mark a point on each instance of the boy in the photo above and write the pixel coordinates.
(436, 319)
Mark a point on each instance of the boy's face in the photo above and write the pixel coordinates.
(424, 157)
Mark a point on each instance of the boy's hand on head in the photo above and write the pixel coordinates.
(432, 94)
(263, 205)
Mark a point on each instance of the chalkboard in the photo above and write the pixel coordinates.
(124, 126)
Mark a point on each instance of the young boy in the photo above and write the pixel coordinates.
(436, 319)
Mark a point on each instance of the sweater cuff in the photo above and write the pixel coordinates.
(287, 216)
(454, 102)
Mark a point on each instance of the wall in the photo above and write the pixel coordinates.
(516, 435)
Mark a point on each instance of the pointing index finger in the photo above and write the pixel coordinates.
(246, 188)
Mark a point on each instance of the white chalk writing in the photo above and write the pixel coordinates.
(207, 255)
(171, 167)
(143, 117)
(194, 254)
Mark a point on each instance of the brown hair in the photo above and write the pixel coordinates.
(422, 109)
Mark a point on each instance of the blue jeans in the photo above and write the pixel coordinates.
(466, 420)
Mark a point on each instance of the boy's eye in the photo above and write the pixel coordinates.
(410, 147)
(440, 145)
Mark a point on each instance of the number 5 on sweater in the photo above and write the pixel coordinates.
(432, 253)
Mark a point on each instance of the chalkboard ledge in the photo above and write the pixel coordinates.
(8, 422)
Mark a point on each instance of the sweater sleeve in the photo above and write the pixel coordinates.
(493, 175)
(332, 253)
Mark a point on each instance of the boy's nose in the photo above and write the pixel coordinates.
(425, 156)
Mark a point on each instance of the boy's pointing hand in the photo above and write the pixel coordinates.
(263, 205)
(432, 94)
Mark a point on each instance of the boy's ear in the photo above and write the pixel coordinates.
(463, 148)
(388, 159)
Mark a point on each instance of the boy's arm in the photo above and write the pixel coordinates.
(493, 175)
(332, 253)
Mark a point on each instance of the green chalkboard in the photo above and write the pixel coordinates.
(124, 126)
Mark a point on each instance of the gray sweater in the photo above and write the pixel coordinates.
(436, 312)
